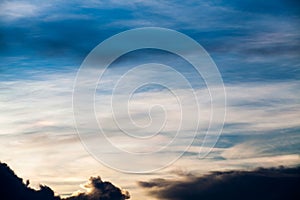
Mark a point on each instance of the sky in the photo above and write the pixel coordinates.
(254, 44)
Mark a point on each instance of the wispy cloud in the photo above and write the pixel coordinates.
(12, 10)
(264, 109)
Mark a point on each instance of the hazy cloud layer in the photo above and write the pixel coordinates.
(258, 116)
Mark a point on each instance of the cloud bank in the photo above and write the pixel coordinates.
(261, 184)
(13, 188)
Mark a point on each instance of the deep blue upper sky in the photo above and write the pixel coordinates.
(249, 40)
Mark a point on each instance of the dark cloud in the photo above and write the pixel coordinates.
(261, 184)
(13, 188)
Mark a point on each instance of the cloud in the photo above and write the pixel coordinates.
(246, 45)
(13, 188)
(265, 7)
(11, 10)
(99, 190)
(261, 184)
(252, 42)
(40, 121)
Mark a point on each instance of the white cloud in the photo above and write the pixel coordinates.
(12, 10)
(265, 107)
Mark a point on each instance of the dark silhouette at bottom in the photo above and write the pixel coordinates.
(13, 188)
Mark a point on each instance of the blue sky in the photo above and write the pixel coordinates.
(255, 45)
(234, 33)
